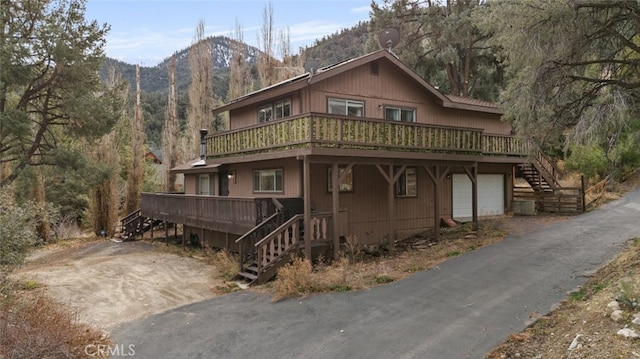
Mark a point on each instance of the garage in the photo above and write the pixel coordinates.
(490, 196)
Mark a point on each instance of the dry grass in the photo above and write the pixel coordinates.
(226, 264)
(361, 267)
(300, 278)
(35, 326)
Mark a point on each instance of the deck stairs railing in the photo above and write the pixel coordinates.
(261, 259)
(541, 173)
(134, 224)
(547, 192)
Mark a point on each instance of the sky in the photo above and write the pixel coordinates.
(145, 32)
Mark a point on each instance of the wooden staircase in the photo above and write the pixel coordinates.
(546, 191)
(540, 173)
(134, 224)
(275, 241)
(530, 173)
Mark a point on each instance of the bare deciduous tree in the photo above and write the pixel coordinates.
(240, 81)
(171, 130)
(200, 90)
(136, 171)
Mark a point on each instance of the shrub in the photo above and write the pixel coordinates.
(629, 295)
(37, 327)
(17, 230)
(589, 160)
(294, 279)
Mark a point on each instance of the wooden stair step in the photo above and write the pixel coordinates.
(249, 276)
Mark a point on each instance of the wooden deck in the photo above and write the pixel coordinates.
(329, 131)
(226, 214)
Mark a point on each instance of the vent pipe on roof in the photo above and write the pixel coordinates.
(203, 144)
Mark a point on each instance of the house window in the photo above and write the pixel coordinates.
(204, 185)
(406, 186)
(265, 113)
(275, 110)
(400, 114)
(346, 107)
(282, 108)
(346, 184)
(268, 180)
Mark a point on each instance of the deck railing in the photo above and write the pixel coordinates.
(232, 214)
(330, 131)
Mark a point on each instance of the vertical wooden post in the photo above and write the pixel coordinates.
(436, 202)
(474, 197)
(435, 178)
(582, 194)
(391, 209)
(335, 196)
(151, 230)
(307, 208)
(391, 179)
(202, 239)
(472, 173)
(166, 232)
(182, 237)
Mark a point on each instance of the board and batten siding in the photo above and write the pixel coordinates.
(392, 87)
(190, 183)
(242, 183)
(366, 207)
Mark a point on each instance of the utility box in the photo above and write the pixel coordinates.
(524, 207)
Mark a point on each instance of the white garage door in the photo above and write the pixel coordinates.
(490, 195)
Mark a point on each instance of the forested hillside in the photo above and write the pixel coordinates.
(155, 78)
(343, 45)
(154, 83)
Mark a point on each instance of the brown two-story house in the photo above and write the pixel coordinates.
(364, 148)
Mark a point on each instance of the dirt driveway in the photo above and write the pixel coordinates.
(110, 283)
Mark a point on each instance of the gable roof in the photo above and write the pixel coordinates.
(323, 73)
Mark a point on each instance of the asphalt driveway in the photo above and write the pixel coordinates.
(460, 309)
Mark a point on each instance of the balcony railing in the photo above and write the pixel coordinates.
(329, 131)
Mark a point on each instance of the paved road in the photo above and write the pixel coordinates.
(461, 309)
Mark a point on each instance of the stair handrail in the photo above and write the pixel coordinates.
(286, 238)
(287, 243)
(246, 249)
(130, 225)
(546, 167)
(128, 218)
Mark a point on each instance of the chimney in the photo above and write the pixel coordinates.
(203, 144)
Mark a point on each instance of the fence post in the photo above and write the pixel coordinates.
(582, 194)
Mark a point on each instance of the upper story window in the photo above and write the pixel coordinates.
(268, 180)
(346, 107)
(400, 114)
(407, 183)
(274, 110)
(282, 108)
